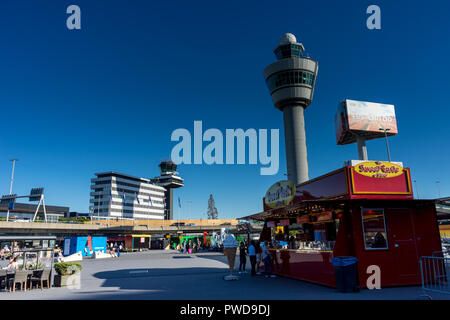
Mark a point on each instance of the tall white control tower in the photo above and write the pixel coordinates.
(291, 83)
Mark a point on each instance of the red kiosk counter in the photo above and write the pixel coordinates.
(391, 230)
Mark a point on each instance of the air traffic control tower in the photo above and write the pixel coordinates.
(291, 82)
(170, 180)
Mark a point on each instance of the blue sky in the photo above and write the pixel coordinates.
(108, 96)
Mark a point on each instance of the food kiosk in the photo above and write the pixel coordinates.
(137, 242)
(365, 209)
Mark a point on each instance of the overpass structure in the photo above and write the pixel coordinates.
(105, 228)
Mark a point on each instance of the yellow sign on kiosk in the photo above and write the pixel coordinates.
(378, 169)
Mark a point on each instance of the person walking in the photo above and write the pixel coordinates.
(267, 258)
(258, 251)
(252, 256)
(243, 257)
(189, 246)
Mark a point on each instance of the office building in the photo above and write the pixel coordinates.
(119, 195)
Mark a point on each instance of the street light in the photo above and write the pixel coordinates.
(189, 202)
(387, 145)
(10, 186)
(12, 174)
(439, 189)
(417, 190)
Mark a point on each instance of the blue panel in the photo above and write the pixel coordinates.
(82, 246)
(99, 244)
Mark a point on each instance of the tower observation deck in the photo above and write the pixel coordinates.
(291, 81)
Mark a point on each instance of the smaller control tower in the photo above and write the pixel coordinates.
(170, 180)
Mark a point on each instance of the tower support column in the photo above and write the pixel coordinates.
(295, 140)
(169, 204)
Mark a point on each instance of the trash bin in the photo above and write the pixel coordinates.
(346, 273)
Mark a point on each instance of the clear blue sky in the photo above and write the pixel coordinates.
(108, 96)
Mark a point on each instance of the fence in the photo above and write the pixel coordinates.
(434, 271)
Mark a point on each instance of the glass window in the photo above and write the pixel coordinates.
(374, 229)
(282, 79)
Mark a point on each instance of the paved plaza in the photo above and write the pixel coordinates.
(171, 275)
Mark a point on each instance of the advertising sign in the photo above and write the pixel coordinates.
(271, 224)
(325, 216)
(377, 181)
(303, 219)
(378, 169)
(364, 119)
(284, 222)
(280, 194)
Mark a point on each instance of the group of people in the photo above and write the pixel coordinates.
(114, 249)
(256, 255)
(190, 246)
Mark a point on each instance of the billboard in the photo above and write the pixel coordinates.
(359, 118)
(35, 194)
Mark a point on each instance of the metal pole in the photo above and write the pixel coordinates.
(362, 149)
(387, 144)
(12, 174)
(45, 211)
(439, 189)
(189, 202)
(417, 190)
(11, 184)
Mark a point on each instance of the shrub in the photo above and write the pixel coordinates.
(67, 268)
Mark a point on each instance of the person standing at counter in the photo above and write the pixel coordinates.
(267, 258)
(258, 257)
(252, 255)
(243, 257)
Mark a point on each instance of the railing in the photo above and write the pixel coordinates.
(113, 222)
(434, 271)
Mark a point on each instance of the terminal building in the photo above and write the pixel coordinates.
(119, 195)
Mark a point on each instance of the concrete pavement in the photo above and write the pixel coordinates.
(171, 275)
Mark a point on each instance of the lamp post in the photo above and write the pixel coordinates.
(417, 190)
(11, 184)
(189, 202)
(439, 189)
(387, 145)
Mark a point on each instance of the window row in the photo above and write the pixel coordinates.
(289, 78)
(148, 206)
